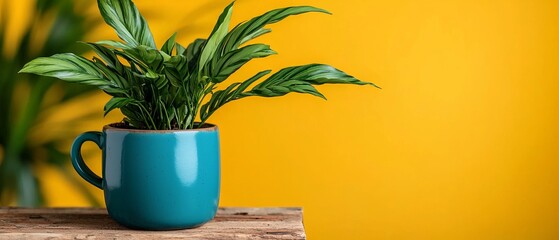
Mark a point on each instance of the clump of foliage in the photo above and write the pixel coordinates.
(167, 88)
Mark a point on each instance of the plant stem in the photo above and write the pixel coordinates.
(143, 109)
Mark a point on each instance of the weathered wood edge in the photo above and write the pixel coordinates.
(86, 223)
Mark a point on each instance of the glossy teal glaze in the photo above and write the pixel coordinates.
(156, 180)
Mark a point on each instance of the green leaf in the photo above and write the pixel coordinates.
(150, 57)
(169, 44)
(179, 49)
(133, 59)
(315, 74)
(159, 80)
(194, 49)
(176, 70)
(127, 21)
(108, 56)
(219, 98)
(280, 88)
(116, 102)
(113, 91)
(133, 115)
(218, 33)
(248, 82)
(221, 68)
(254, 28)
(111, 43)
(300, 79)
(233, 92)
(68, 67)
(192, 54)
(110, 74)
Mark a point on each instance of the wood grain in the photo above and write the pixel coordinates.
(95, 223)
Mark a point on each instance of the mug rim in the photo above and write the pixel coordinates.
(207, 127)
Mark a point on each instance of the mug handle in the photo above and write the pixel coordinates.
(77, 159)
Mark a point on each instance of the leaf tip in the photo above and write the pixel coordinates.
(320, 95)
(25, 69)
(374, 85)
(321, 10)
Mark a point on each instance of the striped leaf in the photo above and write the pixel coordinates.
(169, 44)
(153, 58)
(127, 21)
(233, 92)
(110, 74)
(218, 33)
(68, 67)
(176, 70)
(108, 57)
(179, 49)
(255, 27)
(193, 51)
(315, 74)
(280, 88)
(114, 44)
(192, 54)
(221, 68)
(300, 79)
(116, 102)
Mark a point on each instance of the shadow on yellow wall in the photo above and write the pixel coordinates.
(459, 144)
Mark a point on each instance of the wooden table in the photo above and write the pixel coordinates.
(95, 223)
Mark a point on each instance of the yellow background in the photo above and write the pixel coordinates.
(459, 144)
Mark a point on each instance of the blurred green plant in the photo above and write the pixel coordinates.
(62, 25)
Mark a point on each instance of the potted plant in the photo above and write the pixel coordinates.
(161, 166)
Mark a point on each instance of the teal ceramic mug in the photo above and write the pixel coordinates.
(156, 180)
